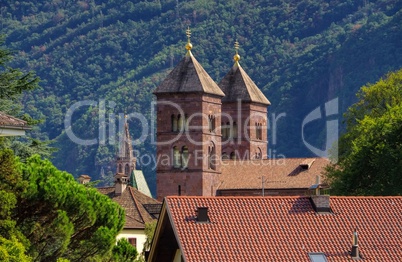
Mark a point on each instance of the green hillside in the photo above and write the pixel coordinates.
(300, 53)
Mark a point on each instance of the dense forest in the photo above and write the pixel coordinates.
(300, 53)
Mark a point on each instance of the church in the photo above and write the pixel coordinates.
(215, 137)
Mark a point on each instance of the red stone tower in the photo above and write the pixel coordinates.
(244, 115)
(188, 133)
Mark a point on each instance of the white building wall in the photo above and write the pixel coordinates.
(134, 233)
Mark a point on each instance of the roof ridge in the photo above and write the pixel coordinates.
(278, 197)
(136, 204)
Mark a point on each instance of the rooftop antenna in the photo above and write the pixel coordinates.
(263, 180)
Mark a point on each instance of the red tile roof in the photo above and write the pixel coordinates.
(140, 208)
(286, 228)
(12, 122)
(278, 173)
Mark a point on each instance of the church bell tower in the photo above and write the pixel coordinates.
(188, 134)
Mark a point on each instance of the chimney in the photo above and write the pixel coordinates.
(202, 215)
(120, 183)
(320, 202)
(84, 179)
(355, 246)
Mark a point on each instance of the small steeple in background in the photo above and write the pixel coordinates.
(125, 159)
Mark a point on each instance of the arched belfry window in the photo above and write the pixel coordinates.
(258, 154)
(184, 156)
(223, 130)
(179, 122)
(258, 131)
(120, 168)
(174, 123)
(185, 123)
(225, 156)
(176, 157)
(212, 157)
(233, 156)
(127, 169)
(128, 149)
(234, 133)
(211, 123)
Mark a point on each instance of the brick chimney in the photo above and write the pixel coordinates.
(120, 183)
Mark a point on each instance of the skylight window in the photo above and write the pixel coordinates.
(317, 257)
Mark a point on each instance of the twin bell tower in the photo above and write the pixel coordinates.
(201, 124)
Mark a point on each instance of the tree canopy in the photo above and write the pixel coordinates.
(13, 84)
(370, 152)
(59, 217)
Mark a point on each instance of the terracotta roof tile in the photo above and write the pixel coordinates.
(279, 173)
(187, 77)
(134, 202)
(10, 121)
(286, 228)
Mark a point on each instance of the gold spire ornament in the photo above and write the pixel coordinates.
(236, 57)
(188, 45)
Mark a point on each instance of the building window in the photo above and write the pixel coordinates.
(180, 123)
(132, 241)
(184, 157)
(258, 131)
(317, 257)
(174, 123)
(180, 157)
(258, 153)
(176, 157)
(185, 124)
(120, 168)
(211, 123)
(233, 156)
(211, 157)
(234, 131)
(225, 156)
(226, 131)
(127, 169)
(223, 130)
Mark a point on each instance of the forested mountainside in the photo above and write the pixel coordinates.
(300, 53)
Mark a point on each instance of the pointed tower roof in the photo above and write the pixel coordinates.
(125, 146)
(238, 85)
(138, 181)
(189, 77)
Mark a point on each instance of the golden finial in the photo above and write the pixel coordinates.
(236, 57)
(188, 45)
